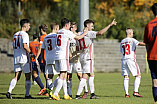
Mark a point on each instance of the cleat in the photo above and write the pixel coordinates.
(8, 95)
(67, 97)
(127, 96)
(56, 97)
(93, 96)
(78, 97)
(45, 93)
(49, 92)
(41, 91)
(85, 95)
(70, 96)
(34, 83)
(29, 97)
(136, 94)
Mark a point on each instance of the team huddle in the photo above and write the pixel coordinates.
(64, 51)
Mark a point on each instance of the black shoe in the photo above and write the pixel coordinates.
(70, 96)
(29, 97)
(93, 96)
(8, 95)
(78, 97)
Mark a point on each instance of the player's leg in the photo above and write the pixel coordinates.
(125, 73)
(153, 70)
(27, 70)
(17, 70)
(69, 78)
(135, 70)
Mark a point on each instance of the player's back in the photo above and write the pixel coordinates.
(49, 43)
(34, 47)
(20, 54)
(128, 47)
(150, 39)
(62, 44)
(86, 45)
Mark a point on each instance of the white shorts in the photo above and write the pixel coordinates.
(75, 67)
(128, 66)
(50, 69)
(62, 65)
(87, 65)
(25, 67)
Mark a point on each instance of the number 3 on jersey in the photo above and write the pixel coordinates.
(127, 50)
(16, 42)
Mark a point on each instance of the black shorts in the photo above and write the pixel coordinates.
(153, 68)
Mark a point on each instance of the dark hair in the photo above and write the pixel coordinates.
(53, 25)
(35, 36)
(44, 27)
(154, 9)
(87, 22)
(23, 21)
(64, 21)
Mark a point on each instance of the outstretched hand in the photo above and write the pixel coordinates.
(113, 22)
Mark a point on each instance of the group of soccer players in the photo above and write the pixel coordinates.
(65, 51)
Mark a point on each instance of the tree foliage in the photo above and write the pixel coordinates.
(128, 13)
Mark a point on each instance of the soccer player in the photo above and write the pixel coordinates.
(86, 56)
(151, 46)
(21, 58)
(129, 64)
(49, 43)
(62, 56)
(33, 47)
(74, 63)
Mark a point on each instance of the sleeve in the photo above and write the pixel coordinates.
(145, 39)
(135, 42)
(43, 44)
(25, 38)
(41, 40)
(91, 34)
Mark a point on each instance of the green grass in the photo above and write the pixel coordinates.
(108, 86)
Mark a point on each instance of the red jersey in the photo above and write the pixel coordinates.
(151, 39)
(33, 46)
(41, 42)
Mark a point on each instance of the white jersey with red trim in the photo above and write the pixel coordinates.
(62, 44)
(128, 47)
(20, 54)
(49, 43)
(86, 45)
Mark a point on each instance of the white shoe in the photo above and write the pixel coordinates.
(34, 83)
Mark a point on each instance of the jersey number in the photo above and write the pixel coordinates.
(82, 44)
(154, 32)
(17, 42)
(59, 40)
(127, 50)
(49, 44)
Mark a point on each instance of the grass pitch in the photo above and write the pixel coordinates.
(108, 86)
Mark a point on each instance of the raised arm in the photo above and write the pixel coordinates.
(78, 37)
(101, 32)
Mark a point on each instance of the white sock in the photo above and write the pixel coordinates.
(27, 87)
(12, 85)
(91, 84)
(81, 85)
(49, 81)
(65, 87)
(137, 83)
(58, 87)
(126, 85)
(69, 86)
(54, 84)
(85, 88)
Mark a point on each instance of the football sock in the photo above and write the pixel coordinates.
(81, 85)
(12, 85)
(126, 85)
(54, 84)
(155, 93)
(91, 84)
(49, 81)
(27, 87)
(38, 80)
(85, 88)
(137, 83)
(65, 87)
(58, 87)
(69, 86)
